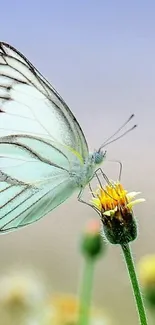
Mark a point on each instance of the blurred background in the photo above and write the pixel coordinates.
(100, 56)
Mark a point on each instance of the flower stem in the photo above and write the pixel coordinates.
(86, 291)
(135, 285)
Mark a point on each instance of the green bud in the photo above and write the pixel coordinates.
(92, 244)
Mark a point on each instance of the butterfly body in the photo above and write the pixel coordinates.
(84, 173)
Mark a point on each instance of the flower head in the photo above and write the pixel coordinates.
(115, 205)
(114, 197)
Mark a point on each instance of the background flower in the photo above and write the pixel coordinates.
(63, 309)
(22, 296)
(146, 271)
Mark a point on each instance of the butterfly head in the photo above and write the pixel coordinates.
(99, 156)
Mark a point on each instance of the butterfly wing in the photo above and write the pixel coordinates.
(30, 184)
(30, 105)
(40, 142)
(22, 204)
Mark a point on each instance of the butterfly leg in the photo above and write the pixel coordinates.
(91, 190)
(84, 202)
(80, 196)
(120, 167)
(103, 175)
(111, 184)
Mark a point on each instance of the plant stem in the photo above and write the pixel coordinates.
(86, 291)
(135, 285)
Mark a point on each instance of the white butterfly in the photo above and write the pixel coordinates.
(44, 155)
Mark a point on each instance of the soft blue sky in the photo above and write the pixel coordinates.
(100, 55)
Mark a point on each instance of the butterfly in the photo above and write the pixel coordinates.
(44, 156)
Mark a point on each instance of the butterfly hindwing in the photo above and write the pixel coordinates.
(23, 204)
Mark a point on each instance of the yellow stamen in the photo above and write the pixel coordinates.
(114, 196)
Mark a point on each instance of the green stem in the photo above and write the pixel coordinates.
(86, 291)
(135, 285)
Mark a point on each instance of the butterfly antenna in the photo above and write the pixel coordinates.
(121, 136)
(107, 141)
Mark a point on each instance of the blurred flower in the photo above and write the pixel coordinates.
(21, 296)
(146, 272)
(115, 206)
(92, 242)
(64, 310)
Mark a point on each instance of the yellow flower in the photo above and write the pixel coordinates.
(146, 270)
(114, 197)
(64, 309)
(115, 206)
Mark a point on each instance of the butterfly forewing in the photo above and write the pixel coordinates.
(28, 88)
